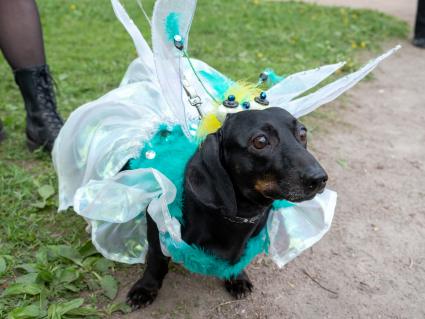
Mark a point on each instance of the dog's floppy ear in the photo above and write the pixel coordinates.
(207, 181)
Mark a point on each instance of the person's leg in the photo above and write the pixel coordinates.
(21, 41)
(21, 38)
(419, 39)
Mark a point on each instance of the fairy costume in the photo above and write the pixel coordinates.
(152, 124)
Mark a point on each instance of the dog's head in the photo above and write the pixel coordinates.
(261, 155)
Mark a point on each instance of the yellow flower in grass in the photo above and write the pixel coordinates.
(354, 45)
(363, 44)
(72, 7)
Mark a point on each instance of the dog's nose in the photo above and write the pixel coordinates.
(315, 180)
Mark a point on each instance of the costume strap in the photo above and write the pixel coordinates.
(194, 99)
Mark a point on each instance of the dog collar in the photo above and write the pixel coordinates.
(244, 220)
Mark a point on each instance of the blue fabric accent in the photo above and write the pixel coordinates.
(172, 150)
(218, 82)
(172, 27)
(278, 204)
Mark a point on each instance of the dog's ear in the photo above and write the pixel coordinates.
(207, 181)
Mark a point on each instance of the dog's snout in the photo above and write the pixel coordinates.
(315, 180)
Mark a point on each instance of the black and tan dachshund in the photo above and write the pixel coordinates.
(255, 158)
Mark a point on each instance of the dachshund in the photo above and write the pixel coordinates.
(256, 157)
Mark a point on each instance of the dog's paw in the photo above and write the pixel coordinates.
(139, 297)
(239, 287)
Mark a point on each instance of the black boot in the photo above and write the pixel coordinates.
(419, 39)
(419, 42)
(43, 121)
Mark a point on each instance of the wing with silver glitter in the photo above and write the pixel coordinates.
(170, 34)
(328, 93)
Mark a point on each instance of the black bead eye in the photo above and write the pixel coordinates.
(260, 142)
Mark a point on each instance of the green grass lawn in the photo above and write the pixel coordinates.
(47, 267)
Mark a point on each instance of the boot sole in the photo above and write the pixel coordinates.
(32, 146)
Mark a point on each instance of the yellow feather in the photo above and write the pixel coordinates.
(209, 124)
(243, 91)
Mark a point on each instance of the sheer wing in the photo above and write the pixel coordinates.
(328, 93)
(298, 83)
(172, 18)
(142, 47)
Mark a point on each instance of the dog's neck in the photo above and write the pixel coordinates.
(219, 235)
(252, 204)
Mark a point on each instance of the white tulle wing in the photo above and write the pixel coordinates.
(298, 83)
(142, 47)
(328, 93)
(172, 18)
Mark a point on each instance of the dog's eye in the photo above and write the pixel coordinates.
(303, 135)
(260, 142)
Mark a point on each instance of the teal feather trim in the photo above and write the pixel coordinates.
(172, 27)
(168, 152)
(199, 261)
(172, 152)
(219, 83)
(272, 77)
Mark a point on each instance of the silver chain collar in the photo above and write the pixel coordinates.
(244, 220)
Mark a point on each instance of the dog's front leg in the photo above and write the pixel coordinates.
(145, 290)
(239, 286)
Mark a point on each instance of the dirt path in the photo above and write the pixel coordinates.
(404, 9)
(373, 259)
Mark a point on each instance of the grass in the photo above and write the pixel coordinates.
(47, 267)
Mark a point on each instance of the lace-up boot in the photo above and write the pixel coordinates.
(43, 121)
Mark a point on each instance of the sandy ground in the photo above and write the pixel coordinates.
(373, 259)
